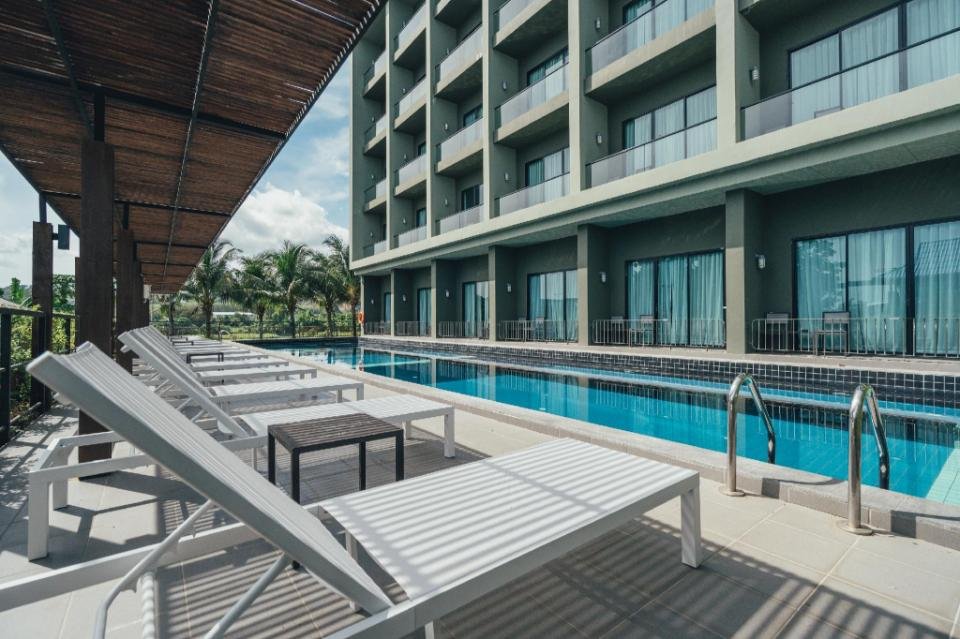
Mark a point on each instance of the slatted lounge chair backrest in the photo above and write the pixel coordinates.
(101, 388)
(172, 368)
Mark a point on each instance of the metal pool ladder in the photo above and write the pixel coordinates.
(732, 396)
(863, 394)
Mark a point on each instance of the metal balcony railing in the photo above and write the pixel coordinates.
(412, 28)
(687, 143)
(650, 331)
(381, 247)
(460, 140)
(552, 84)
(538, 193)
(540, 330)
(510, 10)
(376, 328)
(477, 330)
(918, 64)
(461, 219)
(379, 66)
(412, 329)
(644, 28)
(413, 169)
(414, 95)
(375, 192)
(411, 236)
(375, 129)
(469, 49)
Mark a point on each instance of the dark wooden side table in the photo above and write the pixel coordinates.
(330, 432)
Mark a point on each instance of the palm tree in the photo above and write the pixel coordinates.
(327, 286)
(350, 282)
(292, 275)
(211, 280)
(170, 302)
(254, 286)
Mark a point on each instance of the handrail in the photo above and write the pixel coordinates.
(864, 393)
(732, 396)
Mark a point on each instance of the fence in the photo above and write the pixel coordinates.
(649, 331)
(247, 330)
(20, 342)
(537, 331)
(478, 330)
(412, 329)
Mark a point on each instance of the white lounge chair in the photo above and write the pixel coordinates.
(446, 538)
(241, 359)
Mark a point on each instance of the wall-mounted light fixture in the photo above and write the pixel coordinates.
(761, 261)
(506, 176)
(446, 202)
(403, 297)
(503, 85)
(446, 292)
(446, 126)
(371, 301)
(754, 74)
(599, 139)
(403, 220)
(509, 288)
(603, 277)
(596, 23)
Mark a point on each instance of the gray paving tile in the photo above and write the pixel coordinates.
(808, 549)
(765, 573)
(654, 621)
(926, 556)
(804, 626)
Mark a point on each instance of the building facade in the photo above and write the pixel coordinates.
(745, 175)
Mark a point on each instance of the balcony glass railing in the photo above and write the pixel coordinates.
(379, 66)
(412, 170)
(552, 84)
(510, 10)
(467, 51)
(412, 28)
(460, 140)
(380, 247)
(375, 129)
(461, 219)
(918, 64)
(411, 236)
(683, 144)
(538, 193)
(412, 96)
(376, 191)
(646, 27)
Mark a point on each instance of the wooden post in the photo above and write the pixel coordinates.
(95, 266)
(129, 293)
(42, 293)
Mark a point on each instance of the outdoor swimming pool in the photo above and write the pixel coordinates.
(810, 427)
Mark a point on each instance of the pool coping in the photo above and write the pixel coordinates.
(886, 511)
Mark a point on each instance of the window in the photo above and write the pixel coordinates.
(684, 293)
(471, 196)
(683, 128)
(475, 308)
(548, 167)
(473, 115)
(423, 310)
(421, 148)
(938, 58)
(543, 69)
(387, 307)
(421, 216)
(552, 305)
(936, 263)
(634, 9)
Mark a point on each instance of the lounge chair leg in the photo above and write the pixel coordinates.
(449, 443)
(406, 429)
(428, 631)
(691, 549)
(352, 551)
(38, 518)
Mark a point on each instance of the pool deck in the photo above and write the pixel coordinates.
(771, 569)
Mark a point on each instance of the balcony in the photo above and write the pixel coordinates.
(532, 195)
(913, 66)
(678, 34)
(455, 12)
(461, 219)
(536, 111)
(375, 137)
(478, 330)
(461, 152)
(409, 43)
(650, 331)
(523, 24)
(410, 111)
(411, 177)
(539, 330)
(687, 143)
(375, 248)
(411, 236)
(373, 77)
(375, 197)
(460, 72)
(413, 328)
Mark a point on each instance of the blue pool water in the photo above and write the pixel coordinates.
(811, 438)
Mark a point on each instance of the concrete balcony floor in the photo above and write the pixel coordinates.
(771, 568)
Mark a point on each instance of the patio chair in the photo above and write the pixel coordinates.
(641, 330)
(216, 356)
(776, 332)
(835, 325)
(446, 538)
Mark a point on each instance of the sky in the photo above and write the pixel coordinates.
(303, 197)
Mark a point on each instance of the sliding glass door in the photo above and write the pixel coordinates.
(387, 307)
(706, 300)
(936, 263)
(552, 305)
(475, 296)
(423, 310)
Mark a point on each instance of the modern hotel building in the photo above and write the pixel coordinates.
(744, 175)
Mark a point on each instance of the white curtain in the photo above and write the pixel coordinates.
(536, 304)
(570, 304)
(387, 307)
(821, 282)
(554, 304)
(874, 39)
(639, 289)
(470, 309)
(668, 15)
(638, 31)
(706, 299)
(672, 297)
(423, 309)
(701, 122)
(668, 120)
(813, 62)
(876, 290)
(938, 58)
(936, 259)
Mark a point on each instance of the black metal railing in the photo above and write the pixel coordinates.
(241, 328)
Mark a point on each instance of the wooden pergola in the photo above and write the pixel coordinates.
(145, 125)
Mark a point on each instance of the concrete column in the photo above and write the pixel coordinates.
(441, 122)
(42, 293)
(593, 293)
(443, 280)
(501, 272)
(129, 292)
(743, 284)
(588, 118)
(95, 266)
(738, 50)
(499, 161)
(399, 145)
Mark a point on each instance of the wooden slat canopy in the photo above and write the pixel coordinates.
(198, 97)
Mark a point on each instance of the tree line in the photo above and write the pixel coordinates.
(277, 280)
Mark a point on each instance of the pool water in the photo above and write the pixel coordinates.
(925, 453)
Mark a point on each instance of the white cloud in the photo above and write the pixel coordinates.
(271, 215)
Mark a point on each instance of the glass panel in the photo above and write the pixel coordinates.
(553, 295)
(937, 59)
(465, 137)
(536, 194)
(821, 282)
(536, 301)
(534, 172)
(387, 307)
(570, 305)
(473, 115)
(423, 309)
(470, 309)
(672, 297)
(701, 106)
(936, 263)
(483, 296)
(706, 299)
(815, 61)
(640, 289)
(421, 217)
(876, 290)
(470, 197)
(464, 54)
(870, 39)
(552, 84)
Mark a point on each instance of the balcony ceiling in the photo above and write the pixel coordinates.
(197, 103)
